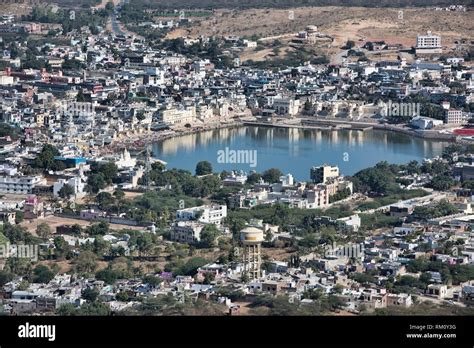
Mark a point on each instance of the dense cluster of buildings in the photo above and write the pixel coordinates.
(121, 89)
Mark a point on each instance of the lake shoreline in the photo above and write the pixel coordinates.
(136, 141)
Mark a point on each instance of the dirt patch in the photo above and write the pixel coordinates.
(55, 221)
(358, 24)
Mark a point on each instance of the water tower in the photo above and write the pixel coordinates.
(252, 239)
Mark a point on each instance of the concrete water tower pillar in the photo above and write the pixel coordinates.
(252, 239)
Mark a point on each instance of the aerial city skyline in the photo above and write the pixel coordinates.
(295, 158)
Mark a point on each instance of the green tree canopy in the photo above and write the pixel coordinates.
(203, 168)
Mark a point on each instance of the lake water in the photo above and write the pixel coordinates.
(293, 151)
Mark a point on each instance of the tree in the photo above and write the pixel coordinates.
(442, 182)
(108, 275)
(144, 243)
(61, 246)
(208, 236)
(236, 225)
(122, 296)
(45, 159)
(191, 266)
(18, 234)
(86, 262)
(42, 274)
(109, 6)
(203, 168)
(209, 278)
(272, 175)
(67, 309)
(313, 294)
(95, 183)
(109, 171)
(101, 228)
(119, 195)
(104, 200)
(66, 191)
(100, 246)
(76, 229)
(80, 96)
(24, 285)
(153, 281)
(90, 294)
(5, 277)
(253, 178)
(95, 309)
(43, 230)
(19, 217)
(413, 167)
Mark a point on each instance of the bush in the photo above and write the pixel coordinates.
(42, 274)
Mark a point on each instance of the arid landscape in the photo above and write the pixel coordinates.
(359, 24)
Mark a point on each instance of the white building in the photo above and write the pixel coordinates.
(421, 122)
(454, 116)
(321, 174)
(287, 180)
(8, 170)
(179, 116)
(235, 179)
(205, 214)
(286, 106)
(125, 160)
(428, 43)
(317, 198)
(20, 184)
(454, 61)
(250, 44)
(75, 182)
(399, 300)
(351, 222)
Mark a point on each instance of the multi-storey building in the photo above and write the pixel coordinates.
(428, 43)
(187, 232)
(319, 175)
(21, 184)
(454, 116)
(317, 198)
(205, 214)
(175, 116)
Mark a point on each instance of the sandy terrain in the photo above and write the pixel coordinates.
(341, 23)
(55, 221)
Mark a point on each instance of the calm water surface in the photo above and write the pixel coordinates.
(295, 150)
